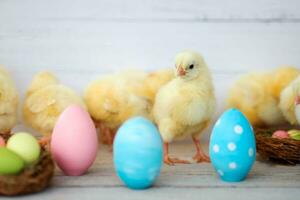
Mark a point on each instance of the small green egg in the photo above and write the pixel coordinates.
(10, 162)
(294, 134)
(25, 145)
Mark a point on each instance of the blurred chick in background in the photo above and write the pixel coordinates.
(112, 99)
(257, 95)
(281, 78)
(9, 101)
(290, 101)
(185, 105)
(155, 80)
(45, 100)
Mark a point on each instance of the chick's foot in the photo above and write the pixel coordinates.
(168, 161)
(173, 161)
(200, 155)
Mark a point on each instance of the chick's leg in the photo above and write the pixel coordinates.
(171, 161)
(200, 155)
(110, 135)
(106, 134)
(167, 159)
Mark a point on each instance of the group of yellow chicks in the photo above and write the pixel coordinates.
(268, 98)
(180, 101)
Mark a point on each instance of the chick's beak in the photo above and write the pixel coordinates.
(297, 100)
(181, 71)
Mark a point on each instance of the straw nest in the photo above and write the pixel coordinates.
(282, 151)
(33, 179)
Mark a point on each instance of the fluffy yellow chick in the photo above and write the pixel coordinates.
(289, 100)
(45, 100)
(114, 98)
(185, 105)
(9, 101)
(257, 95)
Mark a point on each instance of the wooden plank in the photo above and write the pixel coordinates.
(91, 48)
(152, 10)
(165, 194)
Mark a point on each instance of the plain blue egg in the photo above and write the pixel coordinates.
(232, 146)
(138, 153)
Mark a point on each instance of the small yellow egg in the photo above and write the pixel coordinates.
(25, 145)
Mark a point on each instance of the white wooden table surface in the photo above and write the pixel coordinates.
(79, 40)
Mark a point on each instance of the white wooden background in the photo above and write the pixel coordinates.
(79, 40)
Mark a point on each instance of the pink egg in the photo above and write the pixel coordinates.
(74, 142)
(280, 134)
(2, 142)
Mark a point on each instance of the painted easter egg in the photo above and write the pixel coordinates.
(232, 146)
(138, 153)
(74, 142)
(26, 146)
(294, 134)
(10, 162)
(280, 134)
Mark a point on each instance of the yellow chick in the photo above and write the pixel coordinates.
(112, 99)
(257, 95)
(185, 105)
(45, 100)
(290, 100)
(9, 101)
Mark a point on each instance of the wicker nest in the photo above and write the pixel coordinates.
(283, 151)
(33, 179)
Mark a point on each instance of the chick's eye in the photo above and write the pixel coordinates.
(191, 66)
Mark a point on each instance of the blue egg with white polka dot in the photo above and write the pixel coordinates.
(232, 146)
(138, 153)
